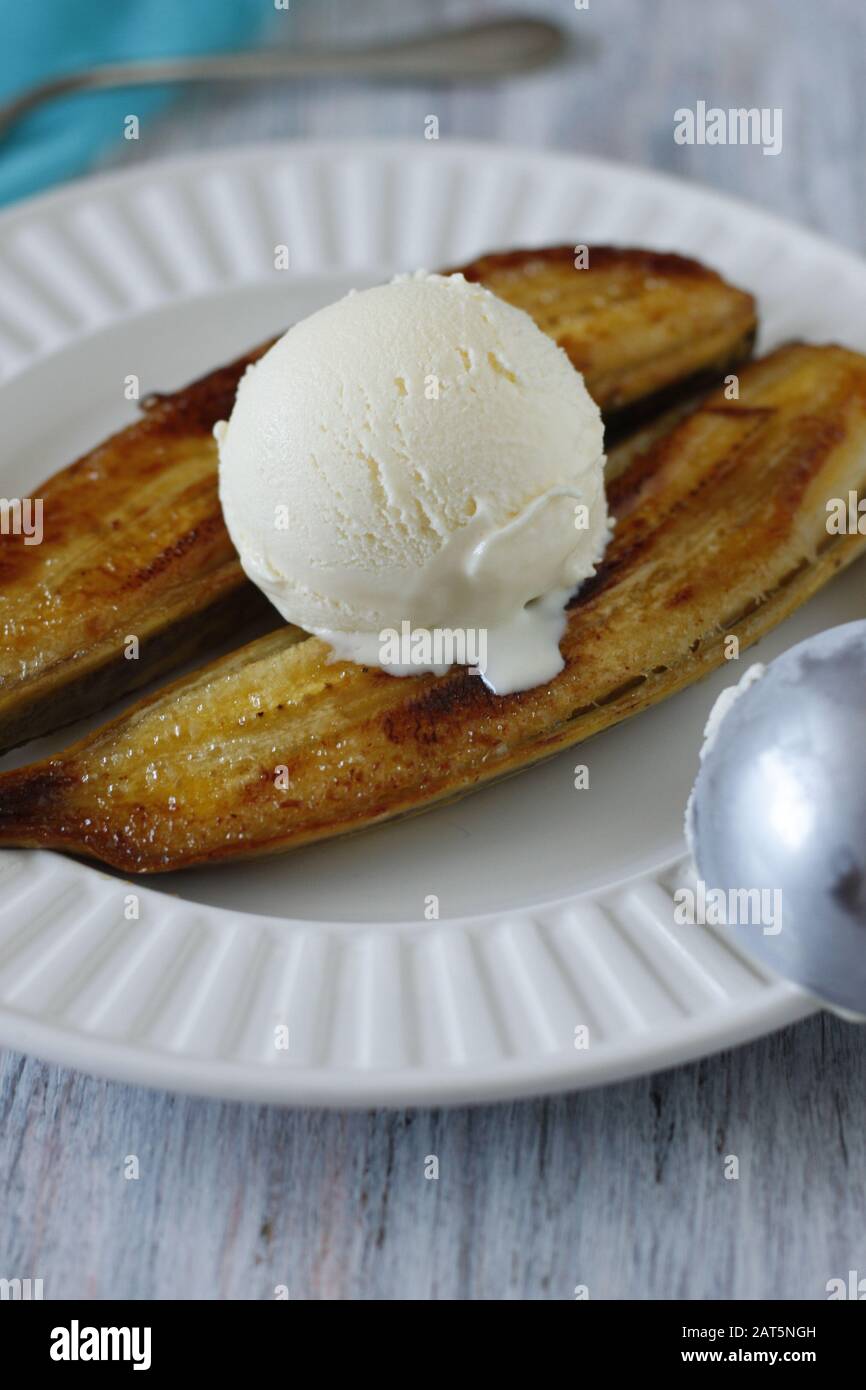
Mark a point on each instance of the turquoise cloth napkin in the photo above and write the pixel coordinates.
(44, 38)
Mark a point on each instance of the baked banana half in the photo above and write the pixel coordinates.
(721, 529)
(134, 542)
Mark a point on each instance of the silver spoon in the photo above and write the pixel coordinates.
(474, 52)
(779, 805)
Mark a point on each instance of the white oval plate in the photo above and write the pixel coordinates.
(556, 905)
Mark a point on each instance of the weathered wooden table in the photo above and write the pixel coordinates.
(622, 1190)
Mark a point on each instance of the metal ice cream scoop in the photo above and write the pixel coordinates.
(778, 812)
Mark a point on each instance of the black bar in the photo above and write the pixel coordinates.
(224, 1337)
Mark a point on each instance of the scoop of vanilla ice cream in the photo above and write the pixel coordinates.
(419, 452)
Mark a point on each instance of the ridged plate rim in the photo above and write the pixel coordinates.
(521, 944)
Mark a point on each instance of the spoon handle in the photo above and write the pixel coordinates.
(483, 51)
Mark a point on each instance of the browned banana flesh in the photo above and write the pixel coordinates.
(721, 529)
(641, 325)
(135, 572)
